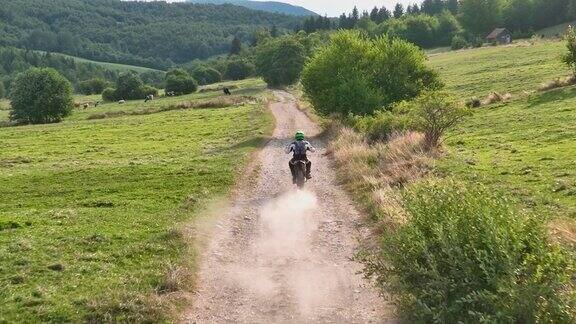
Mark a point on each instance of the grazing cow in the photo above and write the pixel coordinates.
(227, 91)
(149, 97)
(122, 101)
(170, 94)
(86, 105)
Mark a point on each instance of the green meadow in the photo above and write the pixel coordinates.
(92, 209)
(516, 68)
(525, 146)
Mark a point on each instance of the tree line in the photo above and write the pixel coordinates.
(441, 22)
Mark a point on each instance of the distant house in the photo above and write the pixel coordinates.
(500, 36)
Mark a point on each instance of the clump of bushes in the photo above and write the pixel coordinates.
(459, 42)
(93, 86)
(238, 69)
(353, 74)
(129, 86)
(431, 113)
(280, 61)
(40, 95)
(180, 82)
(466, 255)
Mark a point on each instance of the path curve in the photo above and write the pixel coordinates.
(279, 255)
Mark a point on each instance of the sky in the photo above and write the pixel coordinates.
(334, 8)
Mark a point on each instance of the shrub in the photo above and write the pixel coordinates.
(238, 69)
(2, 89)
(459, 42)
(570, 57)
(206, 75)
(280, 61)
(381, 125)
(129, 86)
(355, 75)
(93, 86)
(40, 95)
(467, 256)
(109, 94)
(473, 102)
(180, 82)
(433, 113)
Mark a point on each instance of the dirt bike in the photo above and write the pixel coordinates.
(299, 173)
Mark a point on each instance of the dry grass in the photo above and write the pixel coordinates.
(375, 171)
(563, 231)
(557, 83)
(495, 97)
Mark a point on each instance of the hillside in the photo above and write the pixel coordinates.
(525, 145)
(151, 34)
(504, 69)
(269, 6)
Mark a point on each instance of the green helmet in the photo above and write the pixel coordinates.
(299, 136)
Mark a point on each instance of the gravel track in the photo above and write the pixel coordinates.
(279, 255)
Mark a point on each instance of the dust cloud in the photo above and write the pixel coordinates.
(287, 223)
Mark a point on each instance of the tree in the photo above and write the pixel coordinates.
(129, 86)
(354, 17)
(518, 15)
(180, 82)
(569, 57)
(236, 46)
(433, 113)
(206, 75)
(93, 86)
(452, 6)
(398, 10)
(356, 75)
(238, 69)
(280, 62)
(374, 15)
(2, 89)
(274, 32)
(383, 15)
(40, 95)
(479, 17)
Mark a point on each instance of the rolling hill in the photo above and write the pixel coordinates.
(150, 34)
(269, 6)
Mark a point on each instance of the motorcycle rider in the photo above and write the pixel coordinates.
(300, 147)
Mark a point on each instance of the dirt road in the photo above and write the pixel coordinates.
(284, 256)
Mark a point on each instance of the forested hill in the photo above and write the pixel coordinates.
(151, 34)
(270, 6)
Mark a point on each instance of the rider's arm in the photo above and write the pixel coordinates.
(289, 148)
(310, 148)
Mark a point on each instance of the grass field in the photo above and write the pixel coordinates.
(91, 209)
(527, 146)
(504, 69)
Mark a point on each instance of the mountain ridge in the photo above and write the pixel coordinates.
(269, 6)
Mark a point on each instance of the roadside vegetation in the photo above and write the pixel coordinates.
(472, 207)
(94, 211)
